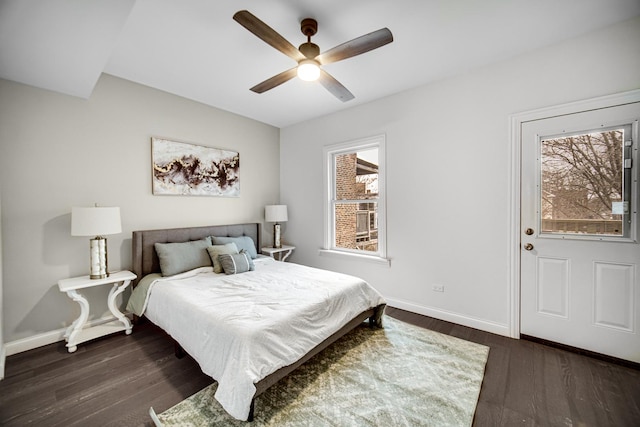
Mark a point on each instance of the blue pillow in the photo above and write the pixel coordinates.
(242, 242)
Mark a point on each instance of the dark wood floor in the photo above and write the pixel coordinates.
(114, 380)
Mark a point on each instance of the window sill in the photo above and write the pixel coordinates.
(353, 256)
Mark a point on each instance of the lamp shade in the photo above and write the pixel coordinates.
(275, 213)
(95, 221)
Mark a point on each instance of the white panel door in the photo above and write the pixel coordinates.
(580, 256)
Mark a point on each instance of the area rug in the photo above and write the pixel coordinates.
(401, 375)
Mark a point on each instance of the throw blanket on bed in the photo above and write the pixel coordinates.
(241, 328)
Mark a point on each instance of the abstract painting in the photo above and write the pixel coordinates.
(193, 170)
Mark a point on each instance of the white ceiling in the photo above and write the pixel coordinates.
(193, 48)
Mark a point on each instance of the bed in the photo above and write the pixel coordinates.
(207, 312)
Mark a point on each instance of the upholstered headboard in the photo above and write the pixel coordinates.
(145, 259)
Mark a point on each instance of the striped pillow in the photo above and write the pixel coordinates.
(236, 263)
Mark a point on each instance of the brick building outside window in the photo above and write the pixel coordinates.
(356, 223)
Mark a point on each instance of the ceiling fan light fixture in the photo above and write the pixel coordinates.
(308, 55)
(308, 70)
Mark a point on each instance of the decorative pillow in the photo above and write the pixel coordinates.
(180, 257)
(242, 242)
(216, 250)
(236, 263)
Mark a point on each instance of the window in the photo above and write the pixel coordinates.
(354, 218)
(585, 183)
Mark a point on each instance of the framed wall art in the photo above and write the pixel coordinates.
(186, 169)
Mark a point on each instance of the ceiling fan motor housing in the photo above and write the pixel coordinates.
(310, 50)
(309, 27)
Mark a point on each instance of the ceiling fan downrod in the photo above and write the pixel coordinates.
(309, 27)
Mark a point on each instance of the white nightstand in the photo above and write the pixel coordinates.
(280, 254)
(76, 333)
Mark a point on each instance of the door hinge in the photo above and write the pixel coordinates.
(627, 163)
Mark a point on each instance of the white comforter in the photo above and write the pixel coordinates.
(241, 328)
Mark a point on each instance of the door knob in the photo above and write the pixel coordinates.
(528, 231)
(528, 247)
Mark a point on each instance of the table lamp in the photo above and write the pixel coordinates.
(98, 222)
(277, 214)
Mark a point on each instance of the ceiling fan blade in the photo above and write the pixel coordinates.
(334, 86)
(356, 46)
(276, 80)
(267, 34)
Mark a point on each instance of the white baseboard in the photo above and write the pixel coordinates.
(34, 341)
(46, 338)
(460, 319)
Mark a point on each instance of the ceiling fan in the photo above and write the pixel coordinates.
(308, 54)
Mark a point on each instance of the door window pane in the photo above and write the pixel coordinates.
(584, 188)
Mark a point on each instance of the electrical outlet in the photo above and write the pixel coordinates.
(438, 288)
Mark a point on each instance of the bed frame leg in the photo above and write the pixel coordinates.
(372, 322)
(250, 417)
(178, 350)
(375, 321)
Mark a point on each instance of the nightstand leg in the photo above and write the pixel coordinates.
(78, 324)
(115, 291)
(284, 258)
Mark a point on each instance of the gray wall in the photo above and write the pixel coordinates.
(59, 151)
(448, 173)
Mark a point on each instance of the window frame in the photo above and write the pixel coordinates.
(329, 171)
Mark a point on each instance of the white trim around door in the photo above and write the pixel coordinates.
(515, 123)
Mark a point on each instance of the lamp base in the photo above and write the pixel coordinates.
(276, 236)
(98, 258)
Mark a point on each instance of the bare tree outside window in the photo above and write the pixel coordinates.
(582, 179)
